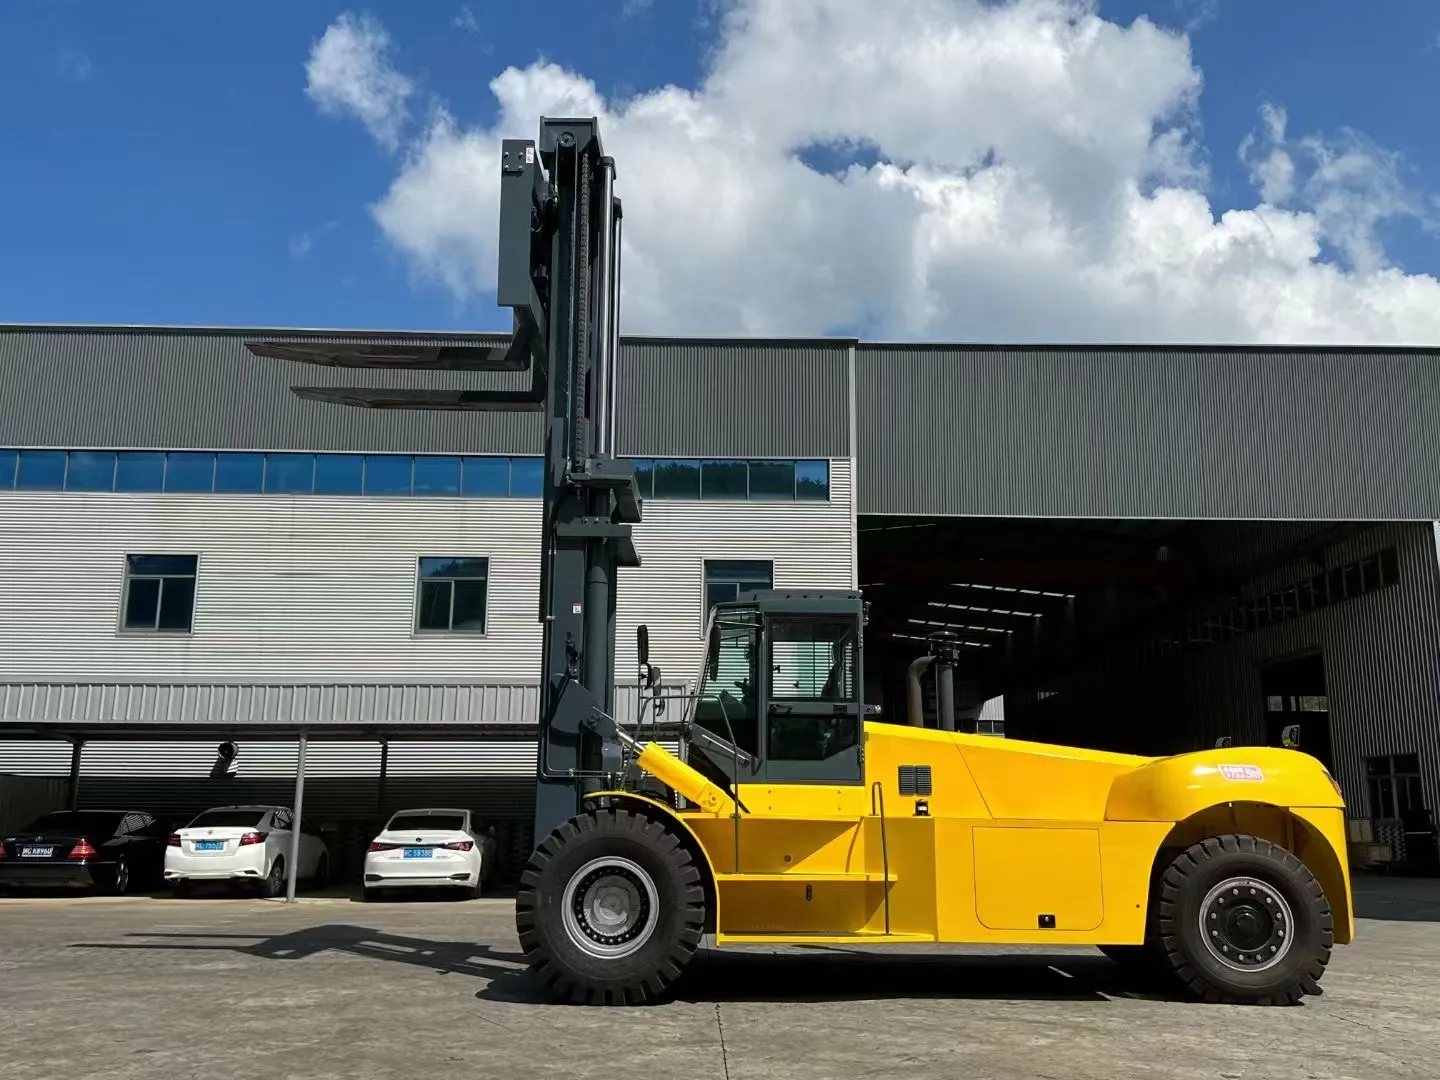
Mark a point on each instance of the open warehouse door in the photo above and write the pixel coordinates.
(1156, 636)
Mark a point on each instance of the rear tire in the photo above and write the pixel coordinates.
(1244, 922)
(610, 909)
(274, 883)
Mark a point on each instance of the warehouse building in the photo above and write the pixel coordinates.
(1134, 548)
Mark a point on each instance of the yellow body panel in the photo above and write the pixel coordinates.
(1019, 843)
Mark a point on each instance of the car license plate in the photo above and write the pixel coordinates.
(417, 853)
(209, 845)
(36, 852)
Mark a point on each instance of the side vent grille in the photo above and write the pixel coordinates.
(915, 780)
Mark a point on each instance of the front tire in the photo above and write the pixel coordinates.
(1244, 922)
(610, 909)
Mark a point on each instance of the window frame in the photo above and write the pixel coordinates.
(417, 631)
(127, 578)
(705, 583)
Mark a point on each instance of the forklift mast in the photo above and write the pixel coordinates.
(559, 273)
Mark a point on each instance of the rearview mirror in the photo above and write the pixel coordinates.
(712, 654)
(652, 679)
(642, 644)
(1224, 742)
(1290, 736)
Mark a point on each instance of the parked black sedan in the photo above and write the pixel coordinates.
(114, 850)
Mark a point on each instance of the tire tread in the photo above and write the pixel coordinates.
(1173, 882)
(647, 985)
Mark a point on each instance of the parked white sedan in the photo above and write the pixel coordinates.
(243, 843)
(430, 849)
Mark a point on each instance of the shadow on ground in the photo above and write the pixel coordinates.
(815, 975)
(1396, 899)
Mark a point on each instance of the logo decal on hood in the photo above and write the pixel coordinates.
(1242, 772)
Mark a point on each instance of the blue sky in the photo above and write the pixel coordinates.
(164, 165)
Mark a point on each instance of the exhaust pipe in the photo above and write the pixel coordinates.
(915, 704)
(945, 695)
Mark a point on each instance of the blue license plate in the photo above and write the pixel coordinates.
(209, 845)
(417, 853)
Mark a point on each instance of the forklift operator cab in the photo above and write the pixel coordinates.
(796, 718)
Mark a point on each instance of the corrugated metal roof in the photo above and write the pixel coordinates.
(232, 707)
(1149, 432)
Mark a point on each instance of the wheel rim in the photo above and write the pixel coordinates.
(611, 907)
(1246, 924)
(122, 876)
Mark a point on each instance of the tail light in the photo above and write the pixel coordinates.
(252, 837)
(173, 840)
(461, 845)
(83, 850)
(377, 846)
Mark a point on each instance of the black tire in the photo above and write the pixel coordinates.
(181, 888)
(1278, 913)
(120, 881)
(274, 883)
(649, 870)
(322, 872)
(372, 896)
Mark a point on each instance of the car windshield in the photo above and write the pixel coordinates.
(76, 823)
(228, 819)
(405, 822)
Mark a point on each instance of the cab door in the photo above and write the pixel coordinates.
(814, 720)
(808, 792)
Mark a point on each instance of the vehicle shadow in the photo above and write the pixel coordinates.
(824, 974)
(445, 957)
(817, 974)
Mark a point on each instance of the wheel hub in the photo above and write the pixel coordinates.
(1246, 924)
(610, 907)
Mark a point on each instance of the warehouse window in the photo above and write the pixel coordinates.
(726, 579)
(1394, 785)
(242, 472)
(762, 480)
(41, 469)
(159, 594)
(139, 471)
(451, 594)
(339, 474)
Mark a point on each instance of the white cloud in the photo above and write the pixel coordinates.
(349, 72)
(1038, 178)
(466, 21)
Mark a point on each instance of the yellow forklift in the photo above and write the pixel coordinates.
(791, 814)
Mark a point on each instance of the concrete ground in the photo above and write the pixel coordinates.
(328, 988)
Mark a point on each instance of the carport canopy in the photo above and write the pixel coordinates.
(78, 734)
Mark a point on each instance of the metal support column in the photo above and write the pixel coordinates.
(380, 787)
(74, 792)
(293, 870)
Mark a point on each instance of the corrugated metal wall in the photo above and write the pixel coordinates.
(1149, 432)
(320, 589)
(810, 544)
(1382, 666)
(201, 389)
(288, 588)
(733, 399)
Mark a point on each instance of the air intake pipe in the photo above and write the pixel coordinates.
(914, 701)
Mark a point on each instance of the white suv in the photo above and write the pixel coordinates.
(243, 843)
